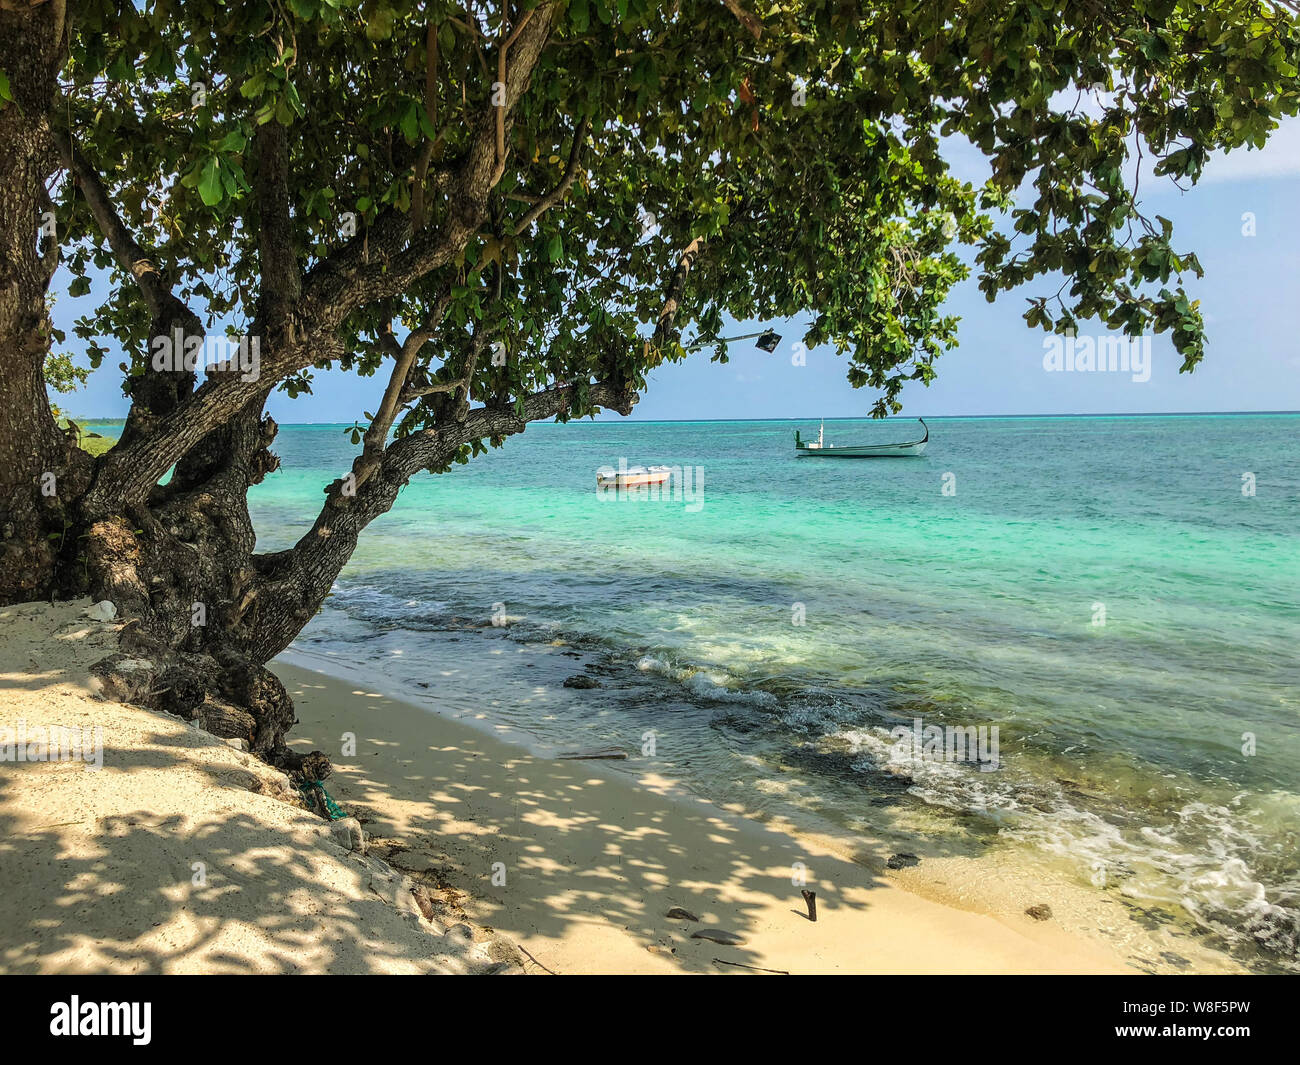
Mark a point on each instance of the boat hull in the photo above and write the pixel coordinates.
(884, 451)
(823, 450)
(647, 479)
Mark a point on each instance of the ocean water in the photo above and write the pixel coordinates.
(1106, 592)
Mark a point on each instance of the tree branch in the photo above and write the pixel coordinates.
(297, 580)
(665, 327)
(557, 194)
(377, 434)
(503, 78)
(398, 256)
(431, 111)
(344, 281)
(281, 277)
(751, 23)
(162, 303)
(460, 386)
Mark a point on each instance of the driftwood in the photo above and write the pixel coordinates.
(754, 968)
(810, 897)
(425, 903)
(719, 935)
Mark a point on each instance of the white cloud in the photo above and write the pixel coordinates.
(1279, 158)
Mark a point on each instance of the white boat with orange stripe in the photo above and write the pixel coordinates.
(633, 477)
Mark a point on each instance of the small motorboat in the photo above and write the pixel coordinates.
(821, 449)
(633, 476)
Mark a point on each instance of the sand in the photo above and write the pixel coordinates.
(579, 866)
(180, 854)
(573, 864)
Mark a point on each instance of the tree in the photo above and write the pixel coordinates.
(513, 213)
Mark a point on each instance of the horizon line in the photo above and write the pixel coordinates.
(85, 420)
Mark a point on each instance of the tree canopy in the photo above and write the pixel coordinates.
(802, 144)
(516, 211)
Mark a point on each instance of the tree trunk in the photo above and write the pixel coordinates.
(181, 566)
(178, 560)
(40, 473)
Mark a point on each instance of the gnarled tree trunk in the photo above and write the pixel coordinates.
(40, 473)
(176, 555)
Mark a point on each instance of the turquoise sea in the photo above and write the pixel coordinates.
(1105, 590)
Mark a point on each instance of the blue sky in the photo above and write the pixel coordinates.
(1250, 297)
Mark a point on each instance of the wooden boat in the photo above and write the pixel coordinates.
(820, 449)
(633, 477)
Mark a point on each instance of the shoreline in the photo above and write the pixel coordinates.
(483, 855)
(994, 882)
(578, 864)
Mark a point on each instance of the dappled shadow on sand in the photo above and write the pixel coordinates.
(118, 892)
(582, 854)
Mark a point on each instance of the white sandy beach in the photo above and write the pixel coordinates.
(181, 854)
(593, 862)
(576, 865)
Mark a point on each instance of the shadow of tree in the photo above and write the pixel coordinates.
(217, 888)
(575, 852)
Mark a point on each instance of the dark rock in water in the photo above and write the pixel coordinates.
(616, 753)
(717, 935)
(581, 681)
(737, 721)
(881, 782)
(678, 913)
(1040, 912)
(902, 861)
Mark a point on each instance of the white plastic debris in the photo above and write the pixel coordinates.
(102, 611)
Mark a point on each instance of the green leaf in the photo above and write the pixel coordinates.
(293, 99)
(253, 86)
(210, 186)
(409, 123)
(379, 25)
(121, 69)
(579, 15)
